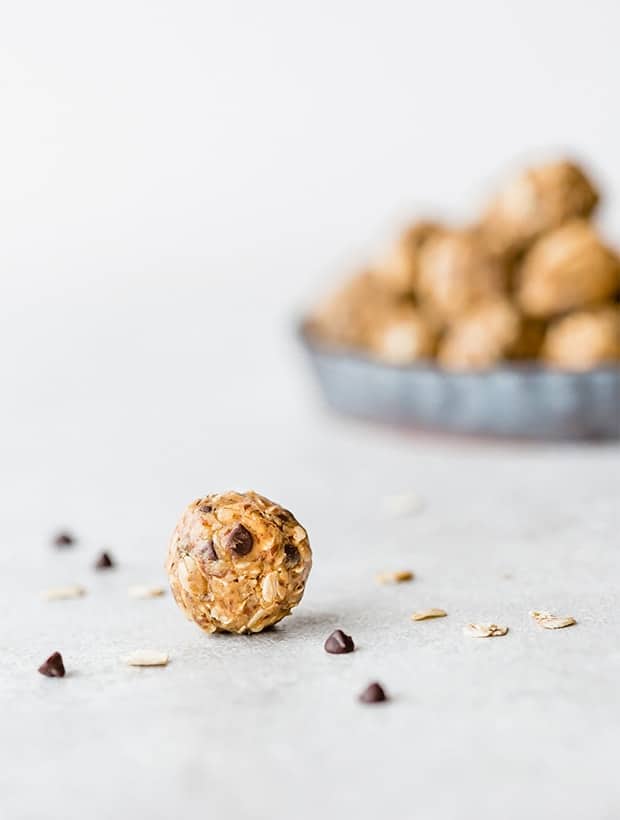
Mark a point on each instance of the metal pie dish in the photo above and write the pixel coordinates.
(515, 400)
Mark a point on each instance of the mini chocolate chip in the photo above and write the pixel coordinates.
(104, 561)
(64, 539)
(292, 553)
(205, 508)
(339, 643)
(240, 540)
(373, 693)
(53, 666)
(209, 551)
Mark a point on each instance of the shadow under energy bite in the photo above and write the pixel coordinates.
(309, 623)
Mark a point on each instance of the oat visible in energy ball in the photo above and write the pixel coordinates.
(238, 562)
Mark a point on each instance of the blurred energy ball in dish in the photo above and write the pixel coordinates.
(535, 201)
(398, 269)
(505, 325)
(457, 271)
(566, 269)
(584, 340)
(345, 316)
(480, 338)
(402, 336)
(472, 297)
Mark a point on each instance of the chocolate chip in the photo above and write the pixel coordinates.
(205, 508)
(292, 553)
(240, 540)
(209, 551)
(339, 643)
(373, 693)
(64, 539)
(53, 666)
(104, 561)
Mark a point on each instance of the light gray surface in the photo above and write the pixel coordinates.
(268, 726)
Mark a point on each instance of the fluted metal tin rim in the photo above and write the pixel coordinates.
(516, 400)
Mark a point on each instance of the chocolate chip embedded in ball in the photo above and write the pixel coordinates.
(240, 540)
(339, 643)
(208, 550)
(292, 553)
(241, 567)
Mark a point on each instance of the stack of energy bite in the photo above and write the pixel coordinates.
(531, 279)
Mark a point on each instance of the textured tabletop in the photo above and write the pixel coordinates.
(268, 726)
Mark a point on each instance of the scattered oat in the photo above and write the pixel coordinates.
(549, 621)
(395, 577)
(485, 630)
(147, 657)
(402, 505)
(64, 593)
(142, 591)
(426, 614)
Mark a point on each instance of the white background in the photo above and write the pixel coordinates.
(177, 181)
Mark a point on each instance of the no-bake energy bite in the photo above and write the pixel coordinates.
(535, 201)
(237, 562)
(481, 337)
(398, 269)
(567, 269)
(583, 340)
(347, 316)
(456, 272)
(401, 335)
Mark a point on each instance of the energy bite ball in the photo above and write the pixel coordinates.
(398, 269)
(237, 562)
(481, 337)
(456, 272)
(584, 340)
(535, 201)
(346, 316)
(568, 268)
(402, 336)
